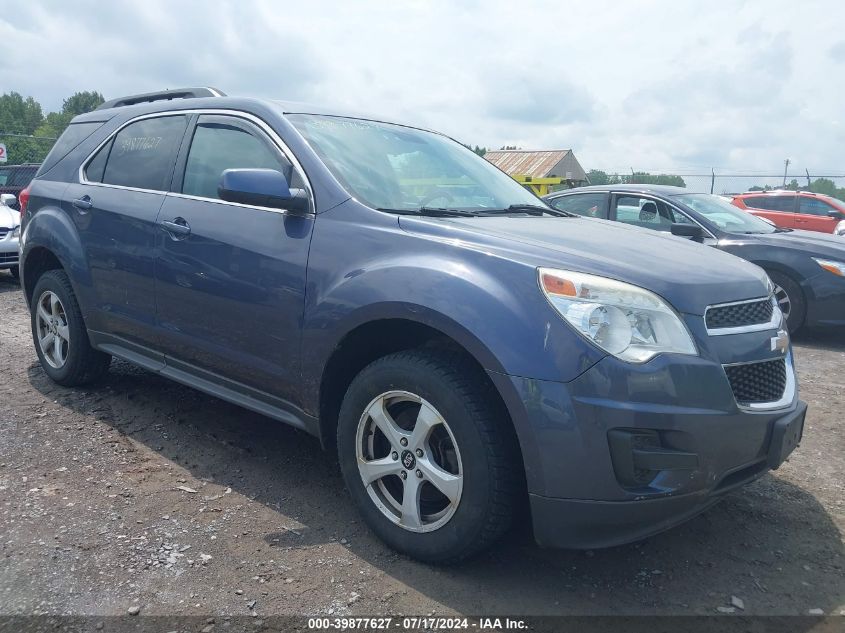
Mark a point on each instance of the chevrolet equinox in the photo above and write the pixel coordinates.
(473, 355)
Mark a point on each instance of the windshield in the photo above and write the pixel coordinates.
(397, 168)
(725, 215)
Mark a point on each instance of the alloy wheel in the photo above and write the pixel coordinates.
(52, 329)
(783, 301)
(409, 461)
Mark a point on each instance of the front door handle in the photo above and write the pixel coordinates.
(177, 227)
(83, 204)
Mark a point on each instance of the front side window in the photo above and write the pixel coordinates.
(402, 169)
(143, 153)
(723, 214)
(591, 205)
(222, 143)
(814, 206)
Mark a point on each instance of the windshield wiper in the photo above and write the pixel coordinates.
(531, 209)
(437, 212)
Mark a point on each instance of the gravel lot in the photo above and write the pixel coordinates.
(139, 492)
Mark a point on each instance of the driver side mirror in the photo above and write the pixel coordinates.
(8, 200)
(836, 215)
(692, 231)
(262, 188)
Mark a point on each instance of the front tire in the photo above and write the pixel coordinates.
(59, 334)
(428, 458)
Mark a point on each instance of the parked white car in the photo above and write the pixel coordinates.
(10, 230)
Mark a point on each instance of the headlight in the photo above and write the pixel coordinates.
(831, 266)
(629, 322)
(16, 232)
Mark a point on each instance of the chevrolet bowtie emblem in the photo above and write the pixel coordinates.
(780, 342)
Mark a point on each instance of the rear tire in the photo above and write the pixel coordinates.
(456, 449)
(790, 298)
(59, 334)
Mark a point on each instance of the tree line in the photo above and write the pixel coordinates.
(28, 132)
(820, 185)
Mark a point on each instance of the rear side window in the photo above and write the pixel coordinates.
(221, 144)
(592, 205)
(771, 203)
(70, 139)
(814, 206)
(142, 154)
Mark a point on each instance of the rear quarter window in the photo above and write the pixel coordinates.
(69, 141)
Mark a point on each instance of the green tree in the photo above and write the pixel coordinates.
(19, 115)
(598, 177)
(645, 178)
(824, 186)
(33, 132)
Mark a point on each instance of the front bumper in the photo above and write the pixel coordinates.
(9, 251)
(591, 524)
(625, 451)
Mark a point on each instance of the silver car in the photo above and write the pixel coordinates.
(10, 231)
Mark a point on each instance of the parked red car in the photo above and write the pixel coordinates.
(794, 209)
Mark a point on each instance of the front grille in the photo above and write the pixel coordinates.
(739, 314)
(7, 258)
(3, 233)
(758, 382)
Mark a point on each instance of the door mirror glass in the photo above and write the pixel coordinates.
(261, 188)
(692, 231)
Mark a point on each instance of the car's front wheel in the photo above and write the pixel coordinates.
(790, 299)
(58, 331)
(428, 458)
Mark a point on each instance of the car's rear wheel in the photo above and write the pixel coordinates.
(58, 331)
(427, 457)
(790, 299)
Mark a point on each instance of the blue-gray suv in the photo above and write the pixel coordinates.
(472, 354)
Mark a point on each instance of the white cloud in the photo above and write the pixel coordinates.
(648, 84)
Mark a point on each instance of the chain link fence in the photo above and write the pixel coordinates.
(23, 148)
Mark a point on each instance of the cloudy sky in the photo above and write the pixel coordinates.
(656, 85)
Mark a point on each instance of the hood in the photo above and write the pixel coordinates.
(9, 218)
(812, 243)
(689, 276)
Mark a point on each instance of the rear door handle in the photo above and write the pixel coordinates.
(83, 204)
(177, 227)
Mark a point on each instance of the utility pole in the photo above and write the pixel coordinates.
(785, 167)
(809, 184)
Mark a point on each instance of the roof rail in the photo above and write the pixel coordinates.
(163, 95)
